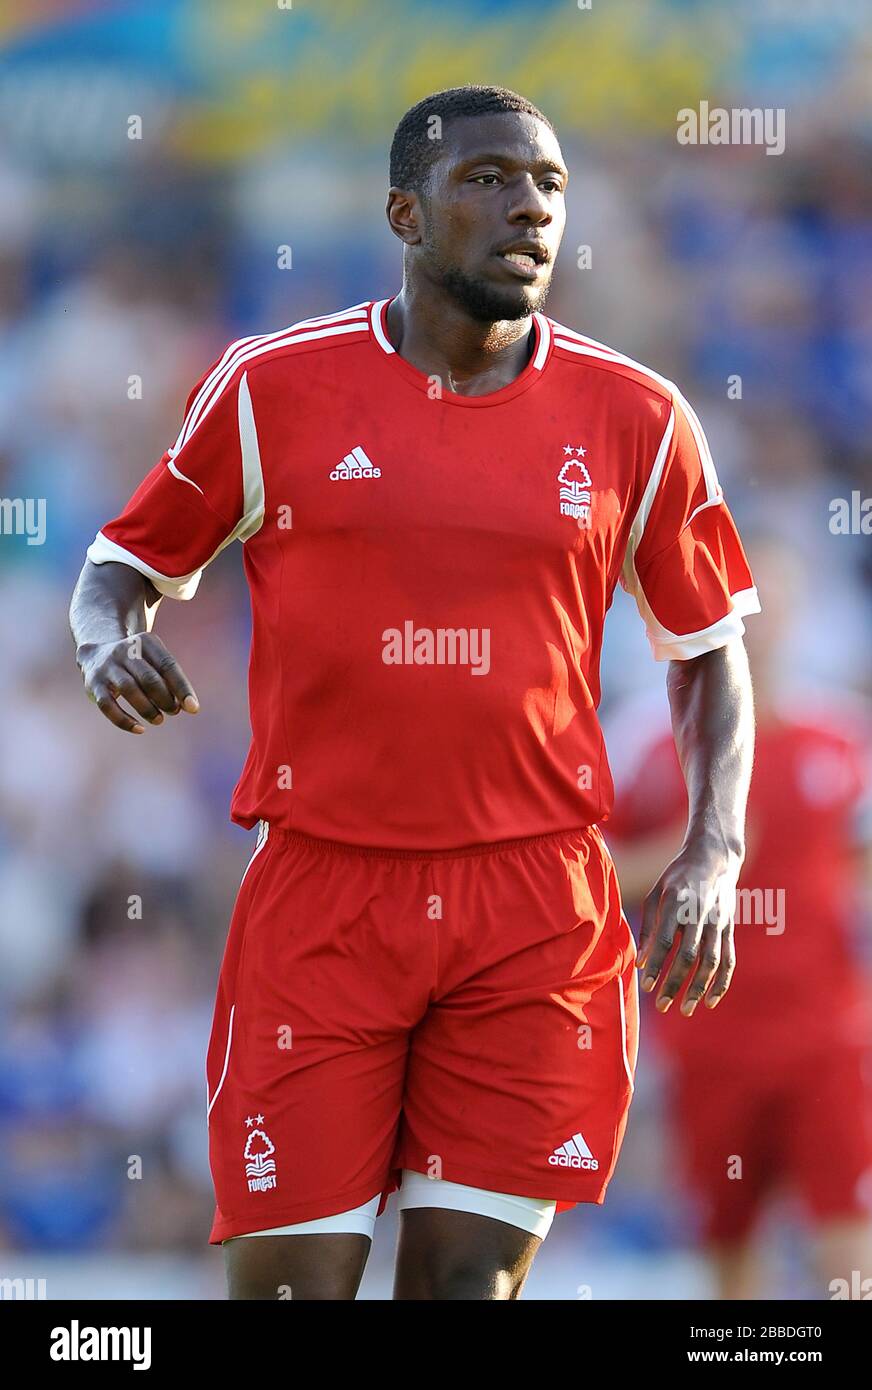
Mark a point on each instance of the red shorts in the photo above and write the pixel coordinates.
(471, 1015)
(805, 1130)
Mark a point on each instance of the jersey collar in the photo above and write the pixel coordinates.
(531, 374)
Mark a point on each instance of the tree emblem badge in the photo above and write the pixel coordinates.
(260, 1167)
(575, 485)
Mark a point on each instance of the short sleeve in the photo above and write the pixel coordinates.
(206, 491)
(684, 563)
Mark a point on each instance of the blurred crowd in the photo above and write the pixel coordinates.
(118, 864)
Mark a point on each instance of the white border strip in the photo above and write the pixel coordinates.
(253, 497)
(211, 1102)
(357, 311)
(624, 1026)
(544, 341)
(262, 837)
(378, 332)
(676, 646)
(177, 473)
(199, 412)
(102, 551)
(543, 325)
(607, 354)
(637, 529)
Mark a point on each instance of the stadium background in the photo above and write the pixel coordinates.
(264, 127)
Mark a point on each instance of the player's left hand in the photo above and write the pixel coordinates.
(692, 907)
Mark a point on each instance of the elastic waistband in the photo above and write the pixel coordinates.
(317, 845)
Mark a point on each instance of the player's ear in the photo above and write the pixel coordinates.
(404, 215)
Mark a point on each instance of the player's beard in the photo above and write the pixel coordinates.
(484, 302)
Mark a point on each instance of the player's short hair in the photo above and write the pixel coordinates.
(413, 148)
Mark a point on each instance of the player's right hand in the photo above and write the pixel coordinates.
(139, 670)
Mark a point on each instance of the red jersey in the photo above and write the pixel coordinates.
(799, 981)
(430, 572)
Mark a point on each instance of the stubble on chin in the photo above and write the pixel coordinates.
(486, 303)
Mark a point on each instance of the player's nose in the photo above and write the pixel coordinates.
(529, 204)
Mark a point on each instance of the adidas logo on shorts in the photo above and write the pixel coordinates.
(573, 1154)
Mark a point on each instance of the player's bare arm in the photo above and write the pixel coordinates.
(112, 609)
(693, 900)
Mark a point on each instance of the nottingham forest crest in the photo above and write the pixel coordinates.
(575, 485)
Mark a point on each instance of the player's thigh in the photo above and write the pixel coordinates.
(319, 1259)
(463, 1242)
(461, 1255)
(296, 1267)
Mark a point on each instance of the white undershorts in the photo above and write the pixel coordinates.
(527, 1213)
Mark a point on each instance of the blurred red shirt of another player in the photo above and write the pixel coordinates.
(799, 983)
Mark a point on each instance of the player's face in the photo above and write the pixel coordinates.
(494, 214)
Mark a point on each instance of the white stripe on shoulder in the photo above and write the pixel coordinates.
(184, 586)
(561, 331)
(591, 348)
(246, 351)
(244, 359)
(211, 378)
(354, 312)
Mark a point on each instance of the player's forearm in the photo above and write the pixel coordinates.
(713, 723)
(109, 602)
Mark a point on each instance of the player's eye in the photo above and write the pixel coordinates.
(483, 178)
(551, 185)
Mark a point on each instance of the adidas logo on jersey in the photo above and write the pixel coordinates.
(355, 465)
(573, 1154)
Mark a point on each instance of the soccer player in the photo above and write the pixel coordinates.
(429, 982)
(773, 1093)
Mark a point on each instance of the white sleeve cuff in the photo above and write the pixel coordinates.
(671, 646)
(102, 550)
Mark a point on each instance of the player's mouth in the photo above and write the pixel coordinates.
(524, 258)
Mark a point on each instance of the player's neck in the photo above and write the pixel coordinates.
(471, 358)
